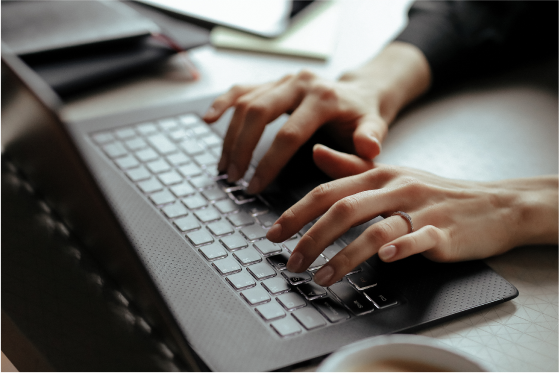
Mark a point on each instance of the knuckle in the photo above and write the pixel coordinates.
(236, 89)
(256, 109)
(288, 135)
(380, 233)
(384, 173)
(325, 91)
(320, 191)
(433, 233)
(412, 186)
(346, 207)
(242, 104)
(305, 75)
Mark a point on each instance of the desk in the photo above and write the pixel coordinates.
(484, 130)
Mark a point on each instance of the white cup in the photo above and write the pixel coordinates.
(398, 352)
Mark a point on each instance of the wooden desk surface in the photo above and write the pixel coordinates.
(484, 131)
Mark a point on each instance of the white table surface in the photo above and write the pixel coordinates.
(485, 130)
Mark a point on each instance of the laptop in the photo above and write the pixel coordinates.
(140, 190)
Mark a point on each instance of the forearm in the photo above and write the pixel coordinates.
(394, 78)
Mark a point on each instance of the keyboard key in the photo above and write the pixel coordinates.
(363, 280)
(150, 186)
(103, 137)
(202, 182)
(206, 159)
(240, 219)
(170, 178)
(270, 311)
(276, 285)
(136, 143)
(115, 149)
(138, 174)
(309, 318)
(261, 271)
(227, 186)
(125, 133)
(162, 144)
(352, 299)
(241, 281)
(234, 242)
(306, 228)
(267, 248)
(127, 162)
(291, 301)
(355, 270)
(255, 208)
(161, 198)
(188, 223)
(183, 189)
(200, 237)
(286, 327)
(146, 155)
(330, 309)
(175, 210)
(331, 251)
(279, 261)
(255, 296)
(178, 159)
(190, 170)
(158, 166)
(214, 194)
(220, 228)
(311, 291)
(178, 135)
(207, 215)
(252, 232)
(247, 256)
(240, 196)
(195, 202)
(213, 251)
(318, 262)
(200, 130)
(168, 123)
(191, 147)
(381, 297)
(267, 220)
(211, 140)
(227, 266)
(189, 120)
(290, 245)
(146, 128)
(296, 278)
(227, 206)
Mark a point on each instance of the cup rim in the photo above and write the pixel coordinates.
(335, 361)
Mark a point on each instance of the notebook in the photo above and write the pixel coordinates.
(188, 248)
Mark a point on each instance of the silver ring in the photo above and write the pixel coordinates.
(405, 216)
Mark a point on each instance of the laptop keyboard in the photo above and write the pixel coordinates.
(172, 162)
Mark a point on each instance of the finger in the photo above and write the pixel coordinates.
(321, 198)
(368, 136)
(225, 101)
(337, 164)
(362, 248)
(425, 239)
(304, 121)
(260, 110)
(235, 126)
(344, 214)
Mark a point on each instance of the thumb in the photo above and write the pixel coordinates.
(337, 164)
(368, 136)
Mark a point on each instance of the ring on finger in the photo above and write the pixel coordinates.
(406, 217)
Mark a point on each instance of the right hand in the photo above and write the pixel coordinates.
(349, 109)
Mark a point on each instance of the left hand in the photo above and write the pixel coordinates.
(453, 220)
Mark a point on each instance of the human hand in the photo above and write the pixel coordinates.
(453, 220)
(348, 109)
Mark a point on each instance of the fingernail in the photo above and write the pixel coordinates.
(324, 275)
(211, 112)
(294, 262)
(387, 252)
(254, 185)
(274, 233)
(232, 173)
(222, 163)
(377, 141)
